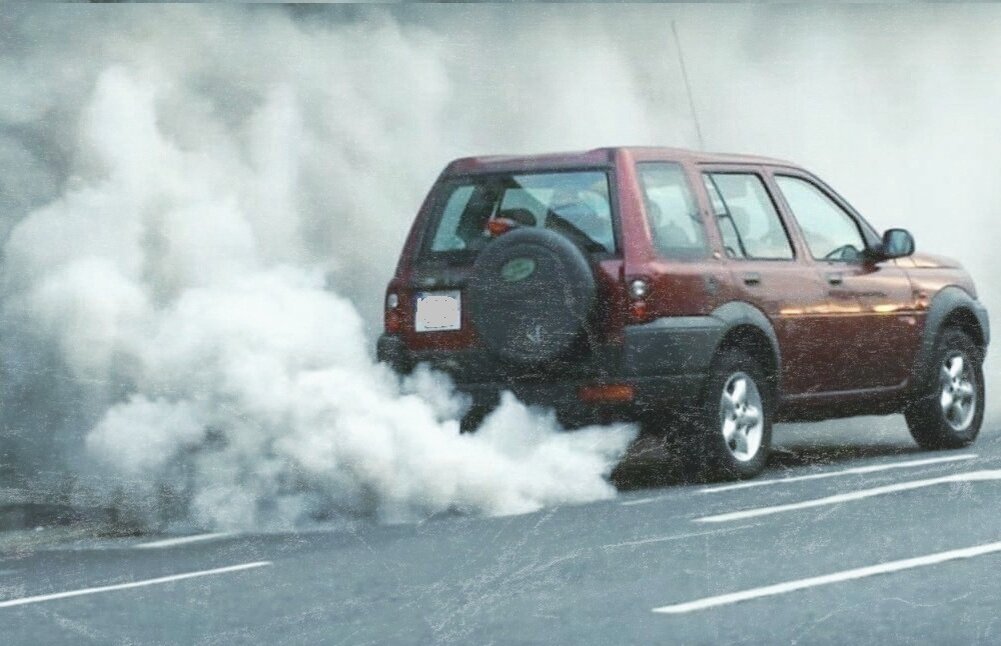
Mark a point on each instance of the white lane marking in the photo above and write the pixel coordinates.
(970, 476)
(677, 537)
(873, 468)
(836, 577)
(132, 584)
(816, 476)
(182, 540)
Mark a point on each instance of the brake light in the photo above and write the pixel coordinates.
(637, 310)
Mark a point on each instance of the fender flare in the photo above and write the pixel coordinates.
(742, 314)
(948, 301)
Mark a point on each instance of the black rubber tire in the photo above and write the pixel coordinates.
(707, 456)
(543, 311)
(925, 417)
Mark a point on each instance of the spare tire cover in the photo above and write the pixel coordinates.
(530, 294)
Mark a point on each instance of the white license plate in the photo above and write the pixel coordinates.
(438, 311)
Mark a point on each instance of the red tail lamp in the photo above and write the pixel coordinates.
(637, 310)
(393, 320)
(606, 393)
(639, 288)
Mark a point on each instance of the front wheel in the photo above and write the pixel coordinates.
(734, 426)
(949, 414)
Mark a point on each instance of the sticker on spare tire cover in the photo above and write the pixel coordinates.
(517, 269)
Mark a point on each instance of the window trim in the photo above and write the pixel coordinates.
(710, 170)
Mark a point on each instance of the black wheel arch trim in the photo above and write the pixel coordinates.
(735, 314)
(688, 343)
(948, 302)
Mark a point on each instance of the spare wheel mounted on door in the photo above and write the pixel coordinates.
(531, 294)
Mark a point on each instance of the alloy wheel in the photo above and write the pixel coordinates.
(742, 416)
(957, 391)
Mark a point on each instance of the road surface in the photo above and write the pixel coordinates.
(849, 537)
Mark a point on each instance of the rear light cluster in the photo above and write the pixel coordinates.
(393, 321)
(639, 288)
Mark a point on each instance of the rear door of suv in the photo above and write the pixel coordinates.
(463, 215)
(770, 271)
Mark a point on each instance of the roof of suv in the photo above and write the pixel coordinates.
(599, 157)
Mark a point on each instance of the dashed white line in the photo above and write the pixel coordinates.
(970, 476)
(182, 540)
(132, 584)
(872, 468)
(827, 579)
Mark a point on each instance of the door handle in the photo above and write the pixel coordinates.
(752, 278)
(835, 278)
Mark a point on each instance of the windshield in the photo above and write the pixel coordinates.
(573, 203)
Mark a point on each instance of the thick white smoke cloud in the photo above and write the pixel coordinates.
(215, 368)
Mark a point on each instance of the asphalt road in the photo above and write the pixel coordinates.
(871, 547)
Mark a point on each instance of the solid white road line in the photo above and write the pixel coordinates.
(816, 476)
(181, 540)
(873, 468)
(133, 584)
(836, 577)
(971, 476)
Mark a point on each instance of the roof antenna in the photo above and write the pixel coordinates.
(688, 87)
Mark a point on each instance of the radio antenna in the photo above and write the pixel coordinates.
(688, 86)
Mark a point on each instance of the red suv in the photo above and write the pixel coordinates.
(698, 294)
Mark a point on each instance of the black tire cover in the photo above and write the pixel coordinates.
(530, 293)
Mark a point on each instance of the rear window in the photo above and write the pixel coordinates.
(573, 203)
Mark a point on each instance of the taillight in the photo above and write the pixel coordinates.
(639, 289)
(393, 320)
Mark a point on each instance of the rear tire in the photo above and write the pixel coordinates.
(949, 413)
(732, 433)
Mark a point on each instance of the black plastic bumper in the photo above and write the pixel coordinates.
(665, 362)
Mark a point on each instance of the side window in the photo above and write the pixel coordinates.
(449, 237)
(830, 233)
(750, 225)
(674, 219)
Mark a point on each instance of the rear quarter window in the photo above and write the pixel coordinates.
(675, 223)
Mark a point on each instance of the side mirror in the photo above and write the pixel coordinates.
(897, 243)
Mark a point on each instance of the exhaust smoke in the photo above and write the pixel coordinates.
(178, 334)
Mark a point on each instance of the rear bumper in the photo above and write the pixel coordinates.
(650, 396)
(665, 362)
